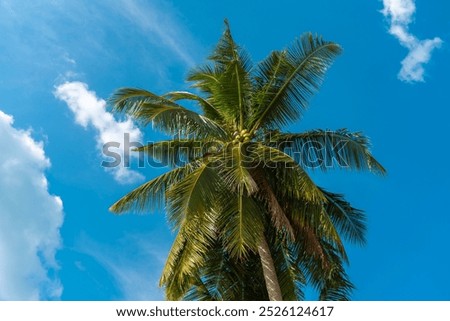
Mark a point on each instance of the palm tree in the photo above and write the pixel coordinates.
(250, 222)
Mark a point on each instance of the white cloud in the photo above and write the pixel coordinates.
(30, 218)
(401, 14)
(419, 54)
(90, 110)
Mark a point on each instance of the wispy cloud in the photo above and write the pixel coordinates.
(89, 110)
(161, 24)
(401, 14)
(136, 272)
(47, 38)
(30, 218)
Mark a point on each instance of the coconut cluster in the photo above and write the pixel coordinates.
(241, 137)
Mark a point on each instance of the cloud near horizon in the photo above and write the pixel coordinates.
(30, 218)
(400, 14)
(89, 110)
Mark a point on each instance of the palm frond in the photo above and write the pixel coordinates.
(286, 80)
(335, 284)
(307, 242)
(150, 196)
(206, 78)
(330, 280)
(314, 219)
(227, 80)
(164, 114)
(187, 254)
(208, 109)
(348, 220)
(283, 168)
(326, 149)
(241, 223)
(173, 290)
(224, 278)
(234, 166)
(193, 195)
(220, 279)
(289, 274)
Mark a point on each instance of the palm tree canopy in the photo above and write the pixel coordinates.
(237, 179)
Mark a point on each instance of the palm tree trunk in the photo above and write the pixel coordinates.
(270, 274)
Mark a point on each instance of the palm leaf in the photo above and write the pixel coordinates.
(192, 196)
(349, 221)
(283, 168)
(220, 279)
(286, 80)
(164, 114)
(234, 167)
(324, 149)
(314, 217)
(187, 254)
(208, 109)
(150, 196)
(330, 280)
(290, 276)
(225, 278)
(227, 80)
(241, 223)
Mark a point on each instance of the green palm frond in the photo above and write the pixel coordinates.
(281, 167)
(289, 274)
(241, 223)
(234, 166)
(331, 279)
(286, 80)
(206, 78)
(175, 287)
(334, 284)
(208, 109)
(227, 80)
(187, 254)
(326, 149)
(228, 51)
(215, 281)
(164, 114)
(348, 220)
(225, 278)
(193, 195)
(315, 218)
(150, 196)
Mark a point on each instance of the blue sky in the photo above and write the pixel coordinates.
(60, 60)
